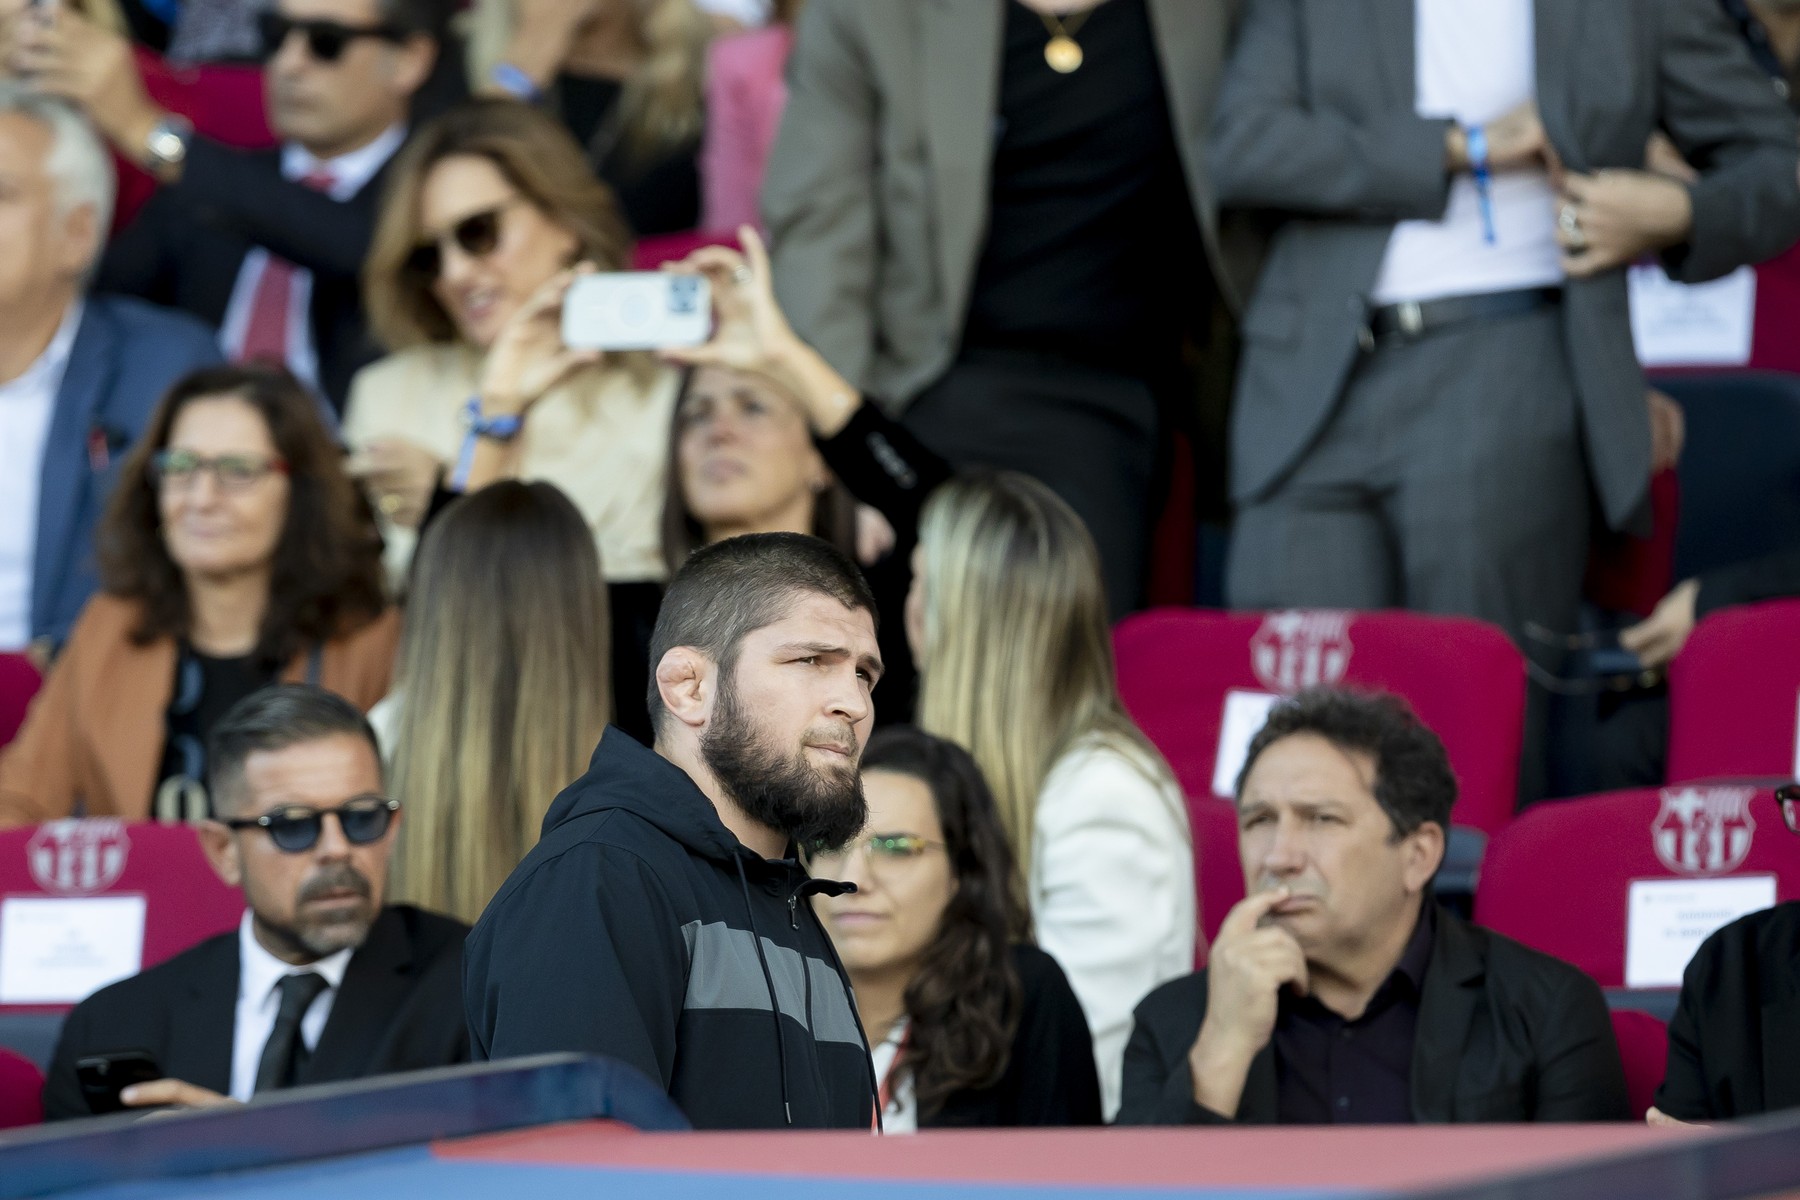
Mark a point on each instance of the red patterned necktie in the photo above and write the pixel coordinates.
(266, 332)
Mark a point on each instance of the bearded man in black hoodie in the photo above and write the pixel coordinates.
(663, 920)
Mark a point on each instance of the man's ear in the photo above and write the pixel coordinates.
(221, 851)
(413, 62)
(1423, 853)
(82, 239)
(685, 679)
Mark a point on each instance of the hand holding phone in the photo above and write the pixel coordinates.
(104, 1076)
(636, 310)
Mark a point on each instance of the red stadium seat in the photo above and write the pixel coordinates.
(185, 901)
(19, 682)
(1559, 877)
(1734, 696)
(21, 1091)
(1179, 668)
(1627, 574)
(1218, 872)
(1644, 1048)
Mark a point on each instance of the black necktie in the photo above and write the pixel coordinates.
(285, 1052)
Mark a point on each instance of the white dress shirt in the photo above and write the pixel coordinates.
(1112, 888)
(259, 975)
(1475, 60)
(27, 407)
(900, 1113)
(349, 173)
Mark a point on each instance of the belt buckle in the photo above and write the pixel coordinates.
(1411, 317)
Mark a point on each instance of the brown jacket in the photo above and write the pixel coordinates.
(94, 736)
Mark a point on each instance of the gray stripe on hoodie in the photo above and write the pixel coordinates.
(723, 974)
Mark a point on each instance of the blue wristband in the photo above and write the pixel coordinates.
(1484, 180)
(512, 80)
(501, 429)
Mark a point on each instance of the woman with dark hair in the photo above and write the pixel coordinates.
(971, 1025)
(234, 553)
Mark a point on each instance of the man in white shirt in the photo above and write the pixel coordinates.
(320, 982)
(265, 246)
(1438, 371)
(79, 376)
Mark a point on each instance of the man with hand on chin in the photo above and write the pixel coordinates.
(1339, 992)
(664, 919)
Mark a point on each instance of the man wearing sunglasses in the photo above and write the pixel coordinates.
(266, 246)
(1734, 1043)
(321, 981)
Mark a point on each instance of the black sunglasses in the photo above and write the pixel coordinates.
(1788, 799)
(296, 828)
(326, 41)
(475, 235)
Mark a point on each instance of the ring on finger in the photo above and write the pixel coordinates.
(389, 503)
(741, 275)
(1569, 222)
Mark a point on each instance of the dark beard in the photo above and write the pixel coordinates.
(816, 809)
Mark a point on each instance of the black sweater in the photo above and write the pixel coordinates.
(1050, 1076)
(889, 470)
(1734, 1044)
(641, 929)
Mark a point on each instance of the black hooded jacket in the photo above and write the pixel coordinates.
(642, 929)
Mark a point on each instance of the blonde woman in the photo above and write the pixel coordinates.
(1007, 621)
(628, 77)
(488, 210)
(500, 692)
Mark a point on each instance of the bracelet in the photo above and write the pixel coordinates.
(1484, 180)
(512, 79)
(499, 429)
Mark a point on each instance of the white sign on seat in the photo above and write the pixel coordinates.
(1244, 716)
(1667, 919)
(61, 949)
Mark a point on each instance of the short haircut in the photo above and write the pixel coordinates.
(1413, 780)
(77, 162)
(287, 714)
(730, 589)
(429, 17)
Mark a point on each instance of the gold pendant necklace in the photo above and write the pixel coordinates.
(1062, 52)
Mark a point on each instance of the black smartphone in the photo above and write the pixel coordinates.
(104, 1076)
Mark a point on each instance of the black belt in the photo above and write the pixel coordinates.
(1416, 318)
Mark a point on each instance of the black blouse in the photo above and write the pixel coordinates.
(889, 470)
(1050, 1075)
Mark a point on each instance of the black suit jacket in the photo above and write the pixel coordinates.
(1734, 1045)
(188, 243)
(399, 1009)
(1504, 1034)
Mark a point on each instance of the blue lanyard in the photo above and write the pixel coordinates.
(1484, 180)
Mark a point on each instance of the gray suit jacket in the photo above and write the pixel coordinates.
(877, 189)
(1315, 123)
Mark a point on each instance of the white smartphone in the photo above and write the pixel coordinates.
(636, 310)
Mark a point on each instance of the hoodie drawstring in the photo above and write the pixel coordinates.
(769, 982)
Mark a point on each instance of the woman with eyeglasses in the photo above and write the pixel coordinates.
(489, 215)
(1006, 617)
(234, 553)
(971, 1025)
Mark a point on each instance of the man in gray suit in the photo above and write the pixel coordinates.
(994, 216)
(1438, 366)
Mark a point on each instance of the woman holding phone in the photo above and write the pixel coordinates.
(490, 214)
